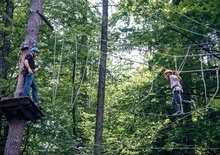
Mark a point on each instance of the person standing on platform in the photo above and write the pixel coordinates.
(28, 72)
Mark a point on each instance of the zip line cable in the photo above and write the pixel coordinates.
(195, 21)
(178, 27)
(138, 62)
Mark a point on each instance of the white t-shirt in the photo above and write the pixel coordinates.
(175, 83)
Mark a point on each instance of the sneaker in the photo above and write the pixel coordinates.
(192, 104)
(178, 112)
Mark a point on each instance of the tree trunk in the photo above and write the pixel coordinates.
(14, 136)
(3, 62)
(6, 39)
(16, 125)
(30, 41)
(102, 78)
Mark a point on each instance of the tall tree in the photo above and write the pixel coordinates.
(102, 78)
(6, 37)
(16, 125)
(8, 17)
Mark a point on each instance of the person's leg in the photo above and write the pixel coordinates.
(175, 101)
(27, 85)
(185, 101)
(34, 91)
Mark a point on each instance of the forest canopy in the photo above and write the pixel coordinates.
(144, 38)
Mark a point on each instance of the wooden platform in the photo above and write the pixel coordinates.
(20, 107)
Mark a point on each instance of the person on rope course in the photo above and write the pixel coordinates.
(176, 90)
(28, 72)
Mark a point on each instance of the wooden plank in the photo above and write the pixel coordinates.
(23, 106)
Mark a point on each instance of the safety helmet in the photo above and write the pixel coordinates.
(35, 49)
(167, 71)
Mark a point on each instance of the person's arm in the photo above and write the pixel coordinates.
(177, 73)
(28, 66)
(37, 68)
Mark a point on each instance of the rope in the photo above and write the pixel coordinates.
(217, 76)
(184, 60)
(76, 56)
(84, 71)
(196, 21)
(54, 64)
(58, 75)
(203, 79)
(175, 62)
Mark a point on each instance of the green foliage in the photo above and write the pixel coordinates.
(137, 98)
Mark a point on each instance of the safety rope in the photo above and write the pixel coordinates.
(58, 74)
(204, 83)
(83, 75)
(217, 76)
(54, 64)
(76, 61)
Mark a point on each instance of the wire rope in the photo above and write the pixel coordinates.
(196, 21)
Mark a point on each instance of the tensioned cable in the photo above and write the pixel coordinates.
(199, 34)
(184, 60)
(138, 62)
(217, 76)
(145, 49)
(196, 21)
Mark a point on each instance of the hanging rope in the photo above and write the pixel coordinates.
(203, 79)
(217, 76)
(76, 61)
(58, 74)
(54, 64)
(83, 75)
(184, 60)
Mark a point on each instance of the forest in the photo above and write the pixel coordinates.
(101, 84)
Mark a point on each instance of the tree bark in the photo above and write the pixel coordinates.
(102, 78)
(6, 40)
(3, 61)
(30, 41)
(14, 136)
(16, 125)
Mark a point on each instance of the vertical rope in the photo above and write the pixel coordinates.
(217, 76)
(84, 71)
(58, 74)
(76, 59)
(54, 65)
(184, 60)
(174, 58)
(203, 79)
